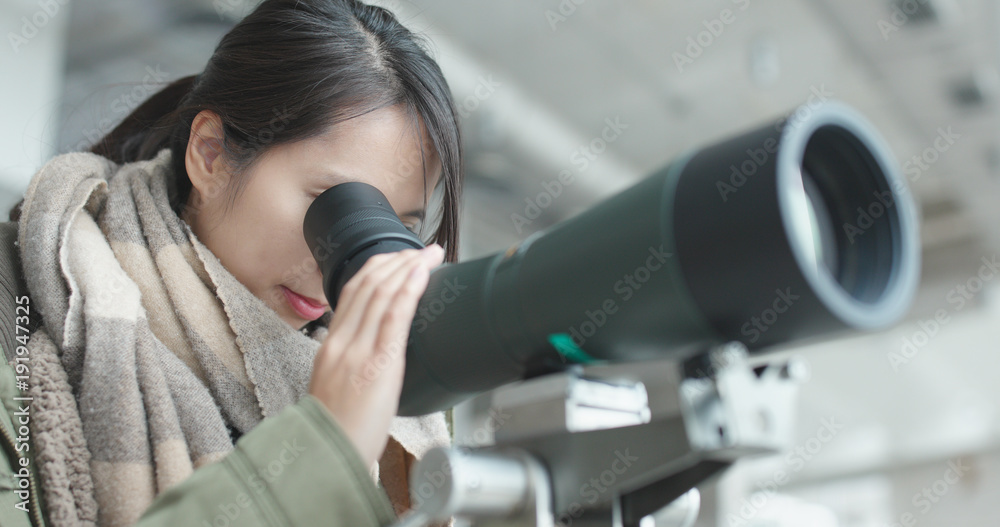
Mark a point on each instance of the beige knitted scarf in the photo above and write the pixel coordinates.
(150, 347)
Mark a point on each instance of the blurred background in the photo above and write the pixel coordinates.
(896, 428)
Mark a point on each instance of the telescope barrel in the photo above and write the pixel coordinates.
(792, 231)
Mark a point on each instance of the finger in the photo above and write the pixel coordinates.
(393, 332)
(367, 336)
(387, 363)
(350, 288)
(358, 289)
(433, 255)
(383, 298)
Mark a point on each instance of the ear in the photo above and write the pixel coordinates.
(203, 159)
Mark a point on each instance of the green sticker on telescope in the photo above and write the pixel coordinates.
(564, 344)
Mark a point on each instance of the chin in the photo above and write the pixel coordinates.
(296, 322)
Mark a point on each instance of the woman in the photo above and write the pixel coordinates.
(183, 310)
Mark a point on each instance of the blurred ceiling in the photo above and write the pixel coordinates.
(551, 74)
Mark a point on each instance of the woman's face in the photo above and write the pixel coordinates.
(260, 239)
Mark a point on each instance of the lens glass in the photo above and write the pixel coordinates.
(849, 224)
(813, 226)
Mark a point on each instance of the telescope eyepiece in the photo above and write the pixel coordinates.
(347, 224)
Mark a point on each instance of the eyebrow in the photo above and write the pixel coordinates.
(418, 214)
(333, 177)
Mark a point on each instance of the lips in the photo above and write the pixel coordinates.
(306, 307)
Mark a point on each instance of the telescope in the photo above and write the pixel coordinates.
(633, 322)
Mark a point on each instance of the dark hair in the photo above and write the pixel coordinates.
(313, 63)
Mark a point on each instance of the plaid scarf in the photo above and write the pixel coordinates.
(150, 349)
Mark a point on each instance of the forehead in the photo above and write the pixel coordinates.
(386, 148)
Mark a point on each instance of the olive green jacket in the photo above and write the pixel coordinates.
(296, 468)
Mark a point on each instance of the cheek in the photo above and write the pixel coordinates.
(287, 253)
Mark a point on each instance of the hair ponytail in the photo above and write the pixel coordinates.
(146, 130)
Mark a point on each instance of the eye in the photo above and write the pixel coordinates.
(413, 227)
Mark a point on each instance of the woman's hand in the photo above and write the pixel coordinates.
(358, 371)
